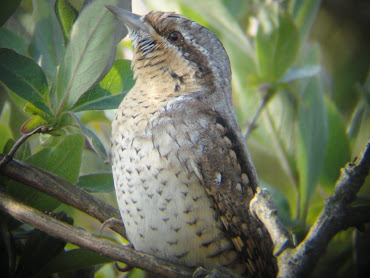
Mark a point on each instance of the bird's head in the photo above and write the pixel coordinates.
(170, 47)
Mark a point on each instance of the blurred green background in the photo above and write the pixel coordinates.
(308, 61)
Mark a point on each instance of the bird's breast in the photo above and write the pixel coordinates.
(164, 207)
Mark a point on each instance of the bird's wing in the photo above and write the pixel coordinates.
(222, 170)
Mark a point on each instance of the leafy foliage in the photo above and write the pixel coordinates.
(69, 50)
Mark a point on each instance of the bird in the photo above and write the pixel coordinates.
(183, 175)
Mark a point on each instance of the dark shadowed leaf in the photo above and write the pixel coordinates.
(73, 260)
(23, 76)
(39, 249)
(7, 8)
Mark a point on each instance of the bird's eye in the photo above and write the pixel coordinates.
(175, 36)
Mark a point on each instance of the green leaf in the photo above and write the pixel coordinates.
(362, 110)
(47, 42)
(299, 73)
(276, 49)
(63, 160)
(73, 260)
(102, 182)
(7, 8)
(287, 45)
(338, 153)
(4, 136)
(94, 141)
(119, 79)
(304, 14)
(103, 103)
(66, 15)
(11, 40)
(39, 249)
(32, 123)
(312, 140)
(23, 76)
(90, 52)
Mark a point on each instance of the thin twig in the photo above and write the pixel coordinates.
(84, 239)
(252, 124)
(19, 143)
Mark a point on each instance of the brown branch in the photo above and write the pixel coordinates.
(334, 217)
(265, 210)
(61, 190)
(85, 240)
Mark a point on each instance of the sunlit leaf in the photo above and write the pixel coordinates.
(120, 78)
(23, 76)
(118, 81)
(90, 52)
(33, 123)
(66, 15)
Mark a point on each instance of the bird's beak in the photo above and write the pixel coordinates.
(132, 21)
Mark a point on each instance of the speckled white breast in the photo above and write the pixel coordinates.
(164, 207)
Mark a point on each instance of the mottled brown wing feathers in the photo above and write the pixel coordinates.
(225, 178)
